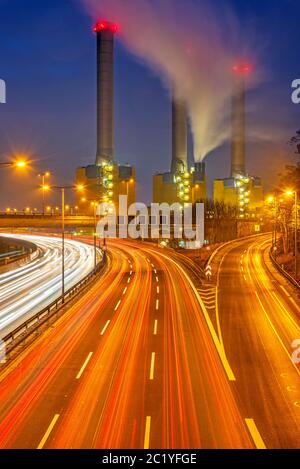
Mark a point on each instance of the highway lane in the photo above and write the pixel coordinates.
(259, 318)
(27, 289)
(132, 364)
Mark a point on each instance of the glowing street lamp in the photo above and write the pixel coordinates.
(19, 164)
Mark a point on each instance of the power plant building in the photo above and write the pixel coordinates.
(106, 179)
(240, 189)
(182, 184)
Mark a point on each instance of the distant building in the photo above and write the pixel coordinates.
(181, 187)
(244, 192)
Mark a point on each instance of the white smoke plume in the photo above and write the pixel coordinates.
(192, 46)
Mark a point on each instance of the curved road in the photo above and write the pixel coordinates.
(258, 318)
(27, 289)
(133, 364)
(141, 360)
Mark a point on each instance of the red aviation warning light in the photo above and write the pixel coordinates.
(104, 25)
(242, 68)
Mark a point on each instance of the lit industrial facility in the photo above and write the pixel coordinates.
(240, 189)
(107, 179)
(182, 184)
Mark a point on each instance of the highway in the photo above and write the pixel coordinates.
(258, 317)
(145, 359)
(27, 289)
(132, 365)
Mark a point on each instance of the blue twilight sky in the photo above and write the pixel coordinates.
(47, 53)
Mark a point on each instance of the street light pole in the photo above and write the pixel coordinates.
(43, 185)
(63, 189)
(63, 240)
(44, 188)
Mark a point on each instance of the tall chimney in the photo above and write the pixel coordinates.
(238, 145)
(179, 136)
(105, 90)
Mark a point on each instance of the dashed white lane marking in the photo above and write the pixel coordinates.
(117, 306)
(157, 304)
(124, 291)
(152, 366)
(259, 442)
(155, 327)
(147, 433)
(49, 430)
(84, 365)
(105, 327)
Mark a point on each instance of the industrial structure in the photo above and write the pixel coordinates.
(240, 189)
(107, 179)
(182, 184)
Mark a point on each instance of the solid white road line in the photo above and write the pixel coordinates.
(105, 327)
(49, 430)
(84, 365)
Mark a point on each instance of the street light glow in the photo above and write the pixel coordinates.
(21, 164)
(290, 193)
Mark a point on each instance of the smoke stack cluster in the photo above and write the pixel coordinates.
(105, 90)
(238, 146)
(179, 136)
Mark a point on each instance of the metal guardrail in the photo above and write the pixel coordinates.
(282, 271)
(19, 335)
